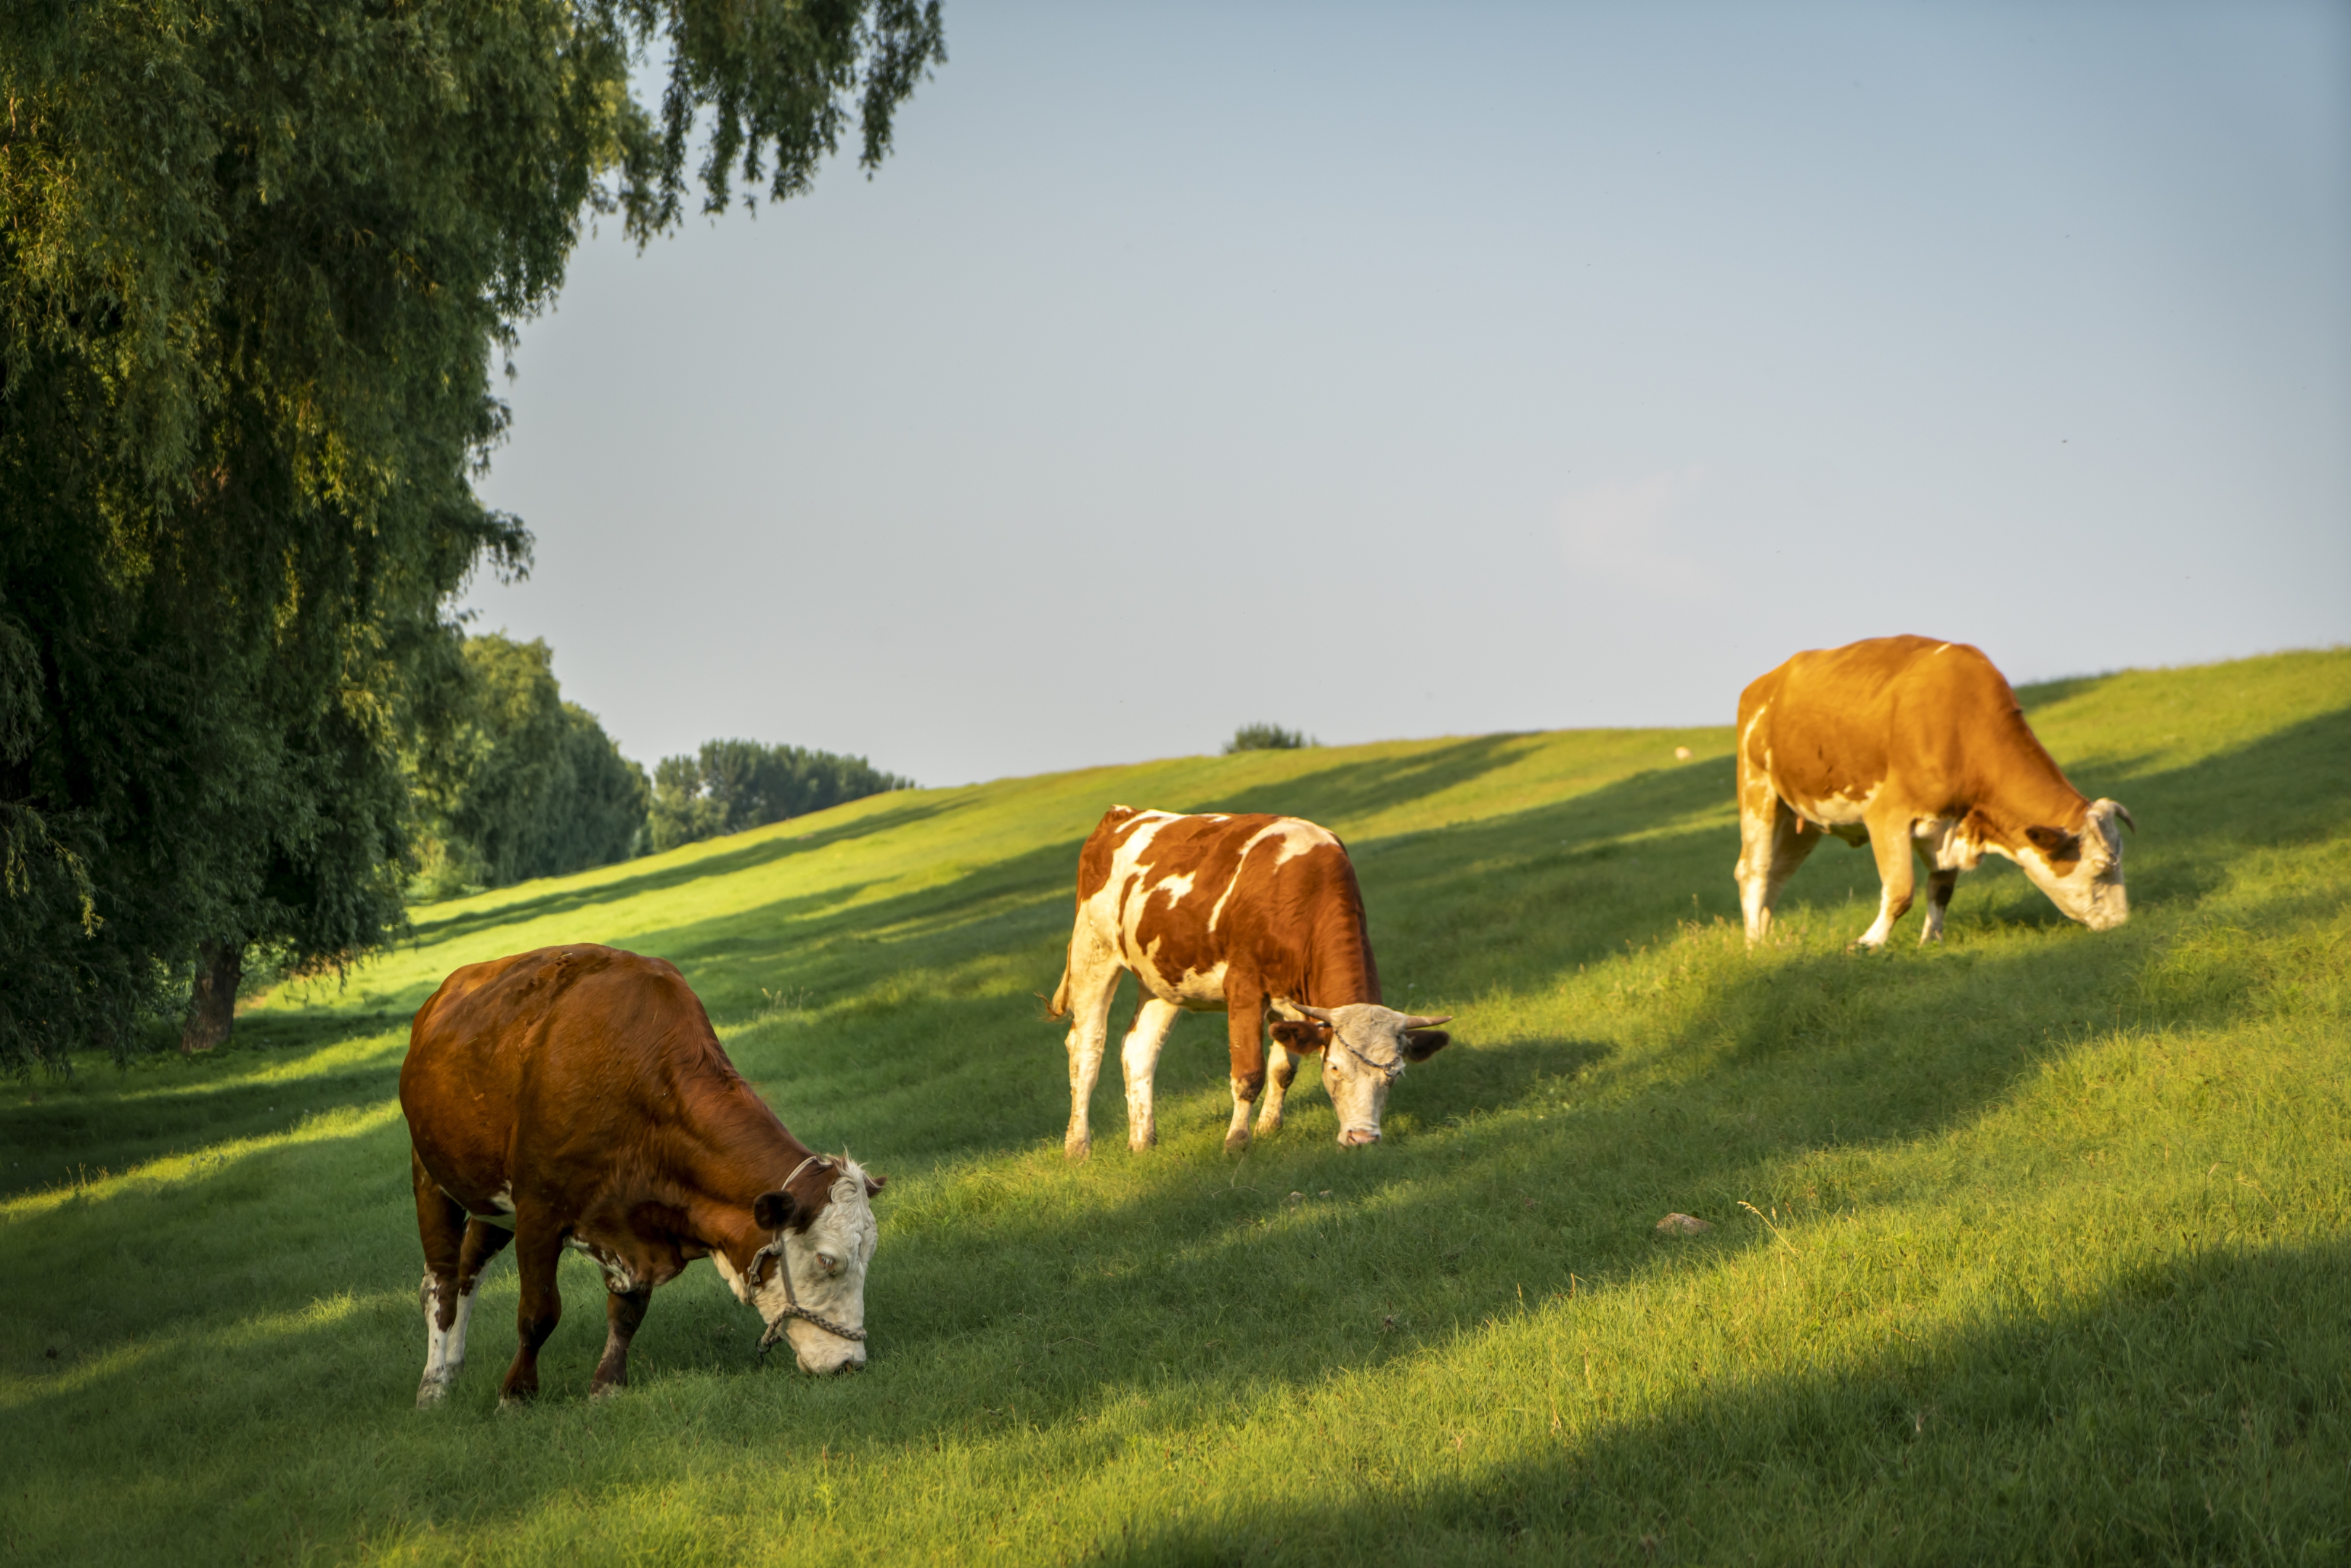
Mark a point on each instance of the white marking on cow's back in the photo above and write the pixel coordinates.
(1297, 837)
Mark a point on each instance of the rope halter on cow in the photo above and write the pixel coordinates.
(791, 1307)
(1329, 1018)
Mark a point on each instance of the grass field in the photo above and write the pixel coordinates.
(2028, 1248)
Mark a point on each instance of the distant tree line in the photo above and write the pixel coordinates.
(1268, 738)
(737, 784)
(513, 782)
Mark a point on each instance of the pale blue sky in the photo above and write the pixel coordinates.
(1419, 371)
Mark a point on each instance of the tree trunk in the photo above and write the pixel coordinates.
(212, 1009)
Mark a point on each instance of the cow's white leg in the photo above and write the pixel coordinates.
(1889, 841)
(444, 1349)
(1772, 843)
(1139, 1055)
(1237, 1135)
(1753, 871)
(1281, 1070)
(1094, 976)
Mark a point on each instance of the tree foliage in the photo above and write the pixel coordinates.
(517, 783)
(737, 784)
(1268, 738)
(256, 259)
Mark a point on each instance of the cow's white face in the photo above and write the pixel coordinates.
(827, 1263)
(1369, 1050)
(2082, 873)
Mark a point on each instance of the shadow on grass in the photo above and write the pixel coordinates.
(109, 1120)
(2231, 1366)
(2040, 694)
(557, 901)
(1358, 789)
(1208, 1281)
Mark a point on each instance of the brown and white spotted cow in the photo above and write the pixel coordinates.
(1238, 913)
(1899, 742)
(577, 1097)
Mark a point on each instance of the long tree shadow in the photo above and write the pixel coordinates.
(2231, 1365)
(1354, 791)
(567, 899)
(2039, 695)
(109, 1121)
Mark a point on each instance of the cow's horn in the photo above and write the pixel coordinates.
(1430, 1022)
(1320, 1015)
(2124, 812)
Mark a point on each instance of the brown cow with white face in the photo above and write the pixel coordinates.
(577, 1097)
(1904, 742)
(1238, 913)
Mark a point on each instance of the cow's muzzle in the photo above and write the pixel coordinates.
(1357, 1137)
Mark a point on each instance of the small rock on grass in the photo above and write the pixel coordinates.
(1683, 1225)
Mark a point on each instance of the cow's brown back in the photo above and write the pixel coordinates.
(1934, 722)
(549, 1072)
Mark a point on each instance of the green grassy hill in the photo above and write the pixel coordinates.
(2029, 1247)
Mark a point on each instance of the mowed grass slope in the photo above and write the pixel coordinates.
(2030, 1247)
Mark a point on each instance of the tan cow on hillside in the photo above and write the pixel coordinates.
(1904, 742)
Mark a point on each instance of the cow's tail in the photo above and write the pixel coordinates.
(1058, 1007)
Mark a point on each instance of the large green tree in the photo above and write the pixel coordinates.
(257, 259)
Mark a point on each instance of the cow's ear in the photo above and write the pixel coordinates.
(1420, 1044)
(775, 1210)
(874, 1183)
(2056, 845)
(1298, 1035)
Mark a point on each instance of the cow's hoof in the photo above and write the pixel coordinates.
(1236, 1143)
(430, 1392)
(1076, 1149)
(1148, 1141)
(607, 1390)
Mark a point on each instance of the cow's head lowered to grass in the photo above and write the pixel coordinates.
(1365, 1048)
(809, 1282)
(2082, 871)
